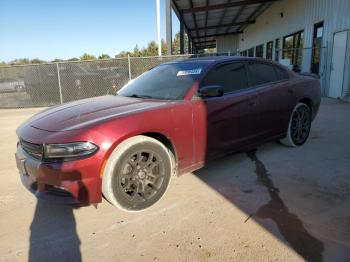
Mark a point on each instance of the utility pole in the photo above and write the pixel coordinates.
(168, 21)
(158, 29)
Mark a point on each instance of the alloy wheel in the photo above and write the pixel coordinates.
(141, 176)
(300, 125)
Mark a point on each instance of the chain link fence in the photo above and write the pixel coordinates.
(56, 83)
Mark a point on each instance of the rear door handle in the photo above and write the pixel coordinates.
(251, 102)
(291, 91)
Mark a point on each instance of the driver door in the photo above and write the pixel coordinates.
(230, 118)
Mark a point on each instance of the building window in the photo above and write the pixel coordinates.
(244, 53)
(293, 49)
(317, 48)
(277, 49)
(259, 51)
(269, 47)
(251, 52)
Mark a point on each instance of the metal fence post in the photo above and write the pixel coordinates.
(129, 67)
(59, 83)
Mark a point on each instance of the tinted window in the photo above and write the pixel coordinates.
(167, 81)
(262, 73)
(280, 73)
(232, 77)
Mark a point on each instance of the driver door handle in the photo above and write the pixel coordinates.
(251, 102)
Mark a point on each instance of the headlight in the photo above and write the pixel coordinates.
(69, 150)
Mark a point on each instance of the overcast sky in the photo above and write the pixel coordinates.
(68, 28)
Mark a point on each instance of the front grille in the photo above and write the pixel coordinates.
(35, 150)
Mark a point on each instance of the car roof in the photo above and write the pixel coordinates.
(211, 60)
(204, 60)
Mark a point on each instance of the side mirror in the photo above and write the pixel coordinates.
(211, 91)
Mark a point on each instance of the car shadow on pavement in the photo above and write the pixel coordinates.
(53, 234)
(253, 191)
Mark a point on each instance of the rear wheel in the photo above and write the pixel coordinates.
(137, 173)
(299, 126)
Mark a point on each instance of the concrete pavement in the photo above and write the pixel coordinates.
(275, 204)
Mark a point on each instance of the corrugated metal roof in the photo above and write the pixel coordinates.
(204, 20)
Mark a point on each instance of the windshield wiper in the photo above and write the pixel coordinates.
(140, 96)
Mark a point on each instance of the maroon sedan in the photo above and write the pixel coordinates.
(170, 120)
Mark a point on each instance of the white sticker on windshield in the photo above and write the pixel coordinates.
(189, 72)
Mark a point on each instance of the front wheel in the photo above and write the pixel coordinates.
(299, 126)
(137, 173)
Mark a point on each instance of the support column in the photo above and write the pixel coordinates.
(193, 47)
(168, 26)
(182, 38)
(189, 43)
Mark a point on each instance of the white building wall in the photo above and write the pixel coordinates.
(227, 44)
(301, 15)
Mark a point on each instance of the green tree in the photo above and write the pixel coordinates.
(73, 59)
(136, 52)
(122, 54)
(210, 50)
(176, 44)
(164, 47)
(20, 61)
(86, 56)
(151, 50)
(57, 60)
(104, 56)
(2, 63)
(37, 61)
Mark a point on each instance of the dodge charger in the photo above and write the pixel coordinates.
(169, 121)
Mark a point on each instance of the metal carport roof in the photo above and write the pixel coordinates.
(204, 20)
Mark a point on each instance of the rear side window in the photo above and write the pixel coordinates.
(262, 73)
(232, 77)
(280, 74)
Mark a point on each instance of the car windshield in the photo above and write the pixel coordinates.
(167, 81)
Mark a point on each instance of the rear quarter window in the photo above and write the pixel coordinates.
(281, 74)
(262, 73)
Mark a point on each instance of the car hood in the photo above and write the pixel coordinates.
(83, 113)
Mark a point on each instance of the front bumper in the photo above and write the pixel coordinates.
(71, 182)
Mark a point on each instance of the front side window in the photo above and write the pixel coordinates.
(167, 81)
(262, 73)
(232, 77)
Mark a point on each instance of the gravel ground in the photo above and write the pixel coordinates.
(275, 204)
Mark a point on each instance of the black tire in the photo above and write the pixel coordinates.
(299, 126)
(137, 173)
